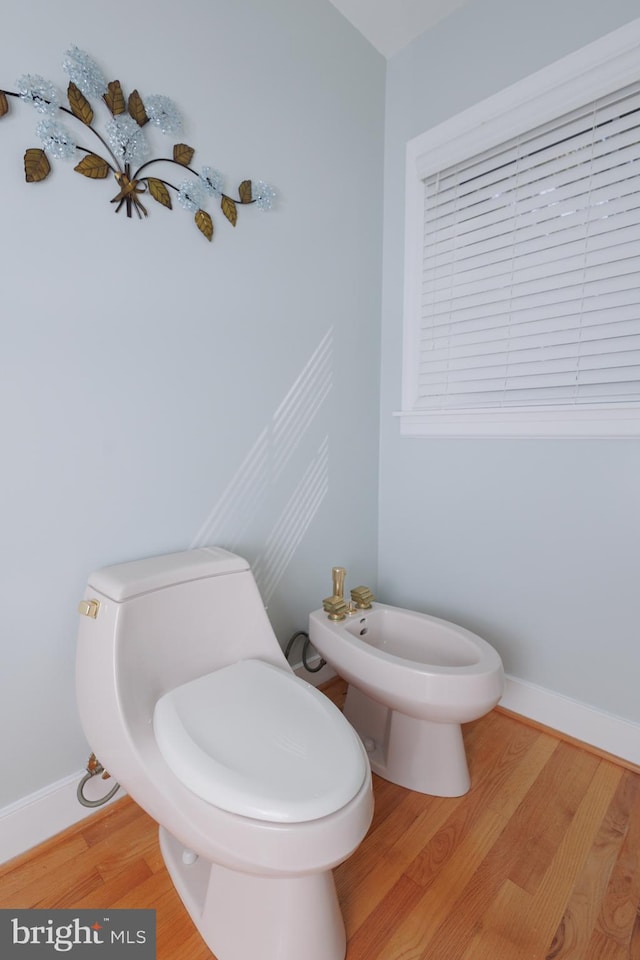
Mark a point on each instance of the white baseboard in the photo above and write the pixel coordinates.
(39, 816)
(577, 720)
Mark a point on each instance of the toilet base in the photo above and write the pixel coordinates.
(417, 754)
(243, 915)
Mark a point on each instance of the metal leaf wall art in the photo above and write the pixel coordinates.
(121, 149)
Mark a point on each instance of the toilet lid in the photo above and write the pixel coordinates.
(255, 740)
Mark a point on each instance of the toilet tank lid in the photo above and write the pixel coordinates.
(121, 581)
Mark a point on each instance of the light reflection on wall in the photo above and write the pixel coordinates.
(302, 402)
(248, 494)
(292, 524)
(240, 501)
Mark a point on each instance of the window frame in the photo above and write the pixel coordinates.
(587, 74)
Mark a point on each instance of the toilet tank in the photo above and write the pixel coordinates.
(166, 620)
(123, 581)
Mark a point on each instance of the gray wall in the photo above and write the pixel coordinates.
(159, 391)
(532, 543)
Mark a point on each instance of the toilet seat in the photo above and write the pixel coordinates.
(255, 740)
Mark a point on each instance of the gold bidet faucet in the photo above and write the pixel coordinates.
(338, 575)
(336, 606)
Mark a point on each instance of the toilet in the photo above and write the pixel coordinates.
(413, 680)
(258, 783)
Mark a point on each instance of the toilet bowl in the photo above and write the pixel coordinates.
(259, 784)
(413, 680)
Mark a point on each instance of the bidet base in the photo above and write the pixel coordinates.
(417, 754)
(242, 915)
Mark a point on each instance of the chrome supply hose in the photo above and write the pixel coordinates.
(305, 648)
(94, 767)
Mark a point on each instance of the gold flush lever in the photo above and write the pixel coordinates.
(89, 608)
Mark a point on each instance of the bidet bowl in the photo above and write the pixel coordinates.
(413, 680)
(421, 665)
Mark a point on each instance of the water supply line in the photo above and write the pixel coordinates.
(305, 648)
(94, 767)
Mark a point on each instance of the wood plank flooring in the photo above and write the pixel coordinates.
(539, 861)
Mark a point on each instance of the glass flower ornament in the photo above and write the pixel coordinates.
(121, 148)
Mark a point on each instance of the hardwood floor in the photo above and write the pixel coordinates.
(539, 861)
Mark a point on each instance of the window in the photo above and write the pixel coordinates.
(522, 299)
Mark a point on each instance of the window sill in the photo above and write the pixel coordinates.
(590, 423)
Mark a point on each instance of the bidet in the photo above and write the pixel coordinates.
(413, 680)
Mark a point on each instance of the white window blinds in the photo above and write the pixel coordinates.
(531, 268)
